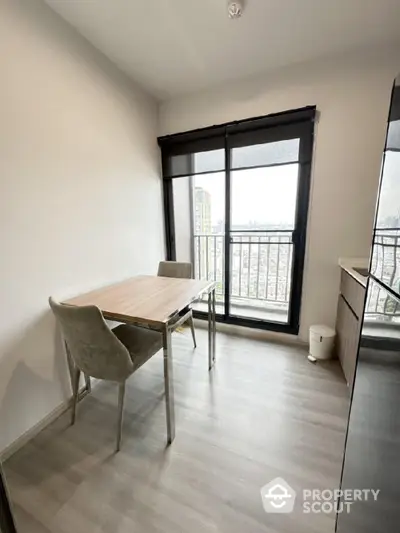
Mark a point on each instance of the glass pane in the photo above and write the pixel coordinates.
(209, 233)
(388, 208)
(181, 165)
(393, 140)
(266, 154)
(195, 163)
(263, 217)
(386, 247)
(264, 198)
(209, 161)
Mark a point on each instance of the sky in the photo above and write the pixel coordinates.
(389, 203)
(264, 195)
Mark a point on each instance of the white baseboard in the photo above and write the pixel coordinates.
(12, 448)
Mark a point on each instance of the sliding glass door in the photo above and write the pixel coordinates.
(263, 212)
(236, 207)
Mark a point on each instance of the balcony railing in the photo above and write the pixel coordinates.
(385, 265)
(260, 270)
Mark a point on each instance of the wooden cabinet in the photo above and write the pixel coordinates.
(353, 292)
(347, 330)
(348, 323)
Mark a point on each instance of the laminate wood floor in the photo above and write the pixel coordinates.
(263, 412)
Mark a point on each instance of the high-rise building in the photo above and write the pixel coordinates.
(202, 227)
(202, 203)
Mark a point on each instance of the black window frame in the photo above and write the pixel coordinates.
(298, 122)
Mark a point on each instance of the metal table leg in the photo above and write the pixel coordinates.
(210, 330)
(169, 385)
(214, 324)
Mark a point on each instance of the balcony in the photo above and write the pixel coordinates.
(260, 272)
(261, 267)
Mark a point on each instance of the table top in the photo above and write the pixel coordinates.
(147, 300)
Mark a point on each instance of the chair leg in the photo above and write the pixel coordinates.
(88, 383)
(75, 392)
(121, 396)
(191, 323)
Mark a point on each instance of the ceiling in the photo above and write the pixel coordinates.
(172, 47)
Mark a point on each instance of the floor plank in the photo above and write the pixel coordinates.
(263, 412)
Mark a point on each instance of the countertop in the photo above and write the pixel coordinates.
(348, 264)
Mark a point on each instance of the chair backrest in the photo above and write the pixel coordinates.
(95, 349)
(175, 269)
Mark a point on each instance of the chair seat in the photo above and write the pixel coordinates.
(141, 343)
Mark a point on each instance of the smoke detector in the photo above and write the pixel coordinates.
(235, 9)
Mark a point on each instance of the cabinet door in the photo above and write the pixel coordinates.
(354, 293)
(347, 329)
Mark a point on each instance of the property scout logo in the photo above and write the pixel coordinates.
(279, 497)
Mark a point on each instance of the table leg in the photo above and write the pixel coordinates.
(210, 331)
(169, 385)
(214, 324)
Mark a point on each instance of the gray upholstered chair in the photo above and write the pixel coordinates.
(175, 269)
(102, 353)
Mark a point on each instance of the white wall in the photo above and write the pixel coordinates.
(352, 95)
(80, 196)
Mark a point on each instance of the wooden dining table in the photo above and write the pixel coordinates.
(157, 303)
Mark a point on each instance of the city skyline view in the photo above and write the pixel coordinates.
(260, 263)
(263, 197)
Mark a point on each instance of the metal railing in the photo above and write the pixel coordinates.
(260, 269)
(385, 266)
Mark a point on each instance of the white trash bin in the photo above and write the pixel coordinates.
(322, 340)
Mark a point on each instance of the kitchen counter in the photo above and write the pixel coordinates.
(349, 264)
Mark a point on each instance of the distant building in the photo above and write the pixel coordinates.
(202, 218)
(202, 226)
